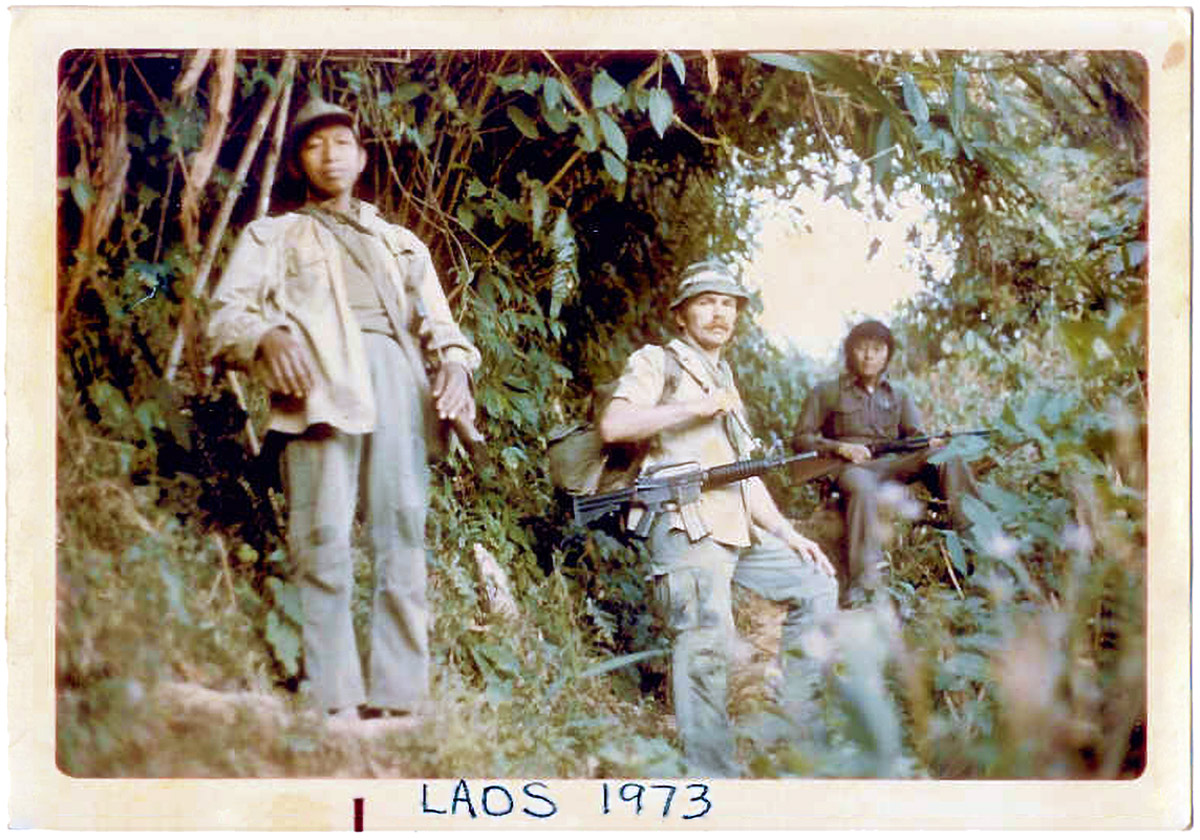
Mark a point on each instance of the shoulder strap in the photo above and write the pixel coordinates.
(672, 371)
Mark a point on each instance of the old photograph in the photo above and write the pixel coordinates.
(461, 420)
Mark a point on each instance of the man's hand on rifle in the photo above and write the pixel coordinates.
(855, 453)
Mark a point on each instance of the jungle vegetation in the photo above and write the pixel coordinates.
(560, 193)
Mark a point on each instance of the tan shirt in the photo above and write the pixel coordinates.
(709, 442)
(288, 271)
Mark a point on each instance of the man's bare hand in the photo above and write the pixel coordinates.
(452, 393)
(855, 453)
(718, 402)
(809, 550)
(285, 363)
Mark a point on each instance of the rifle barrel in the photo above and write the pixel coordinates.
(739, 470)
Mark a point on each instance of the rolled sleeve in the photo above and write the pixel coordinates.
(440, 334)
(644, 378)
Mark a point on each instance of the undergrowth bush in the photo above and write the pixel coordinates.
(559, 196)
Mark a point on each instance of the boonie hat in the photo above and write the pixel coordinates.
(707, 276)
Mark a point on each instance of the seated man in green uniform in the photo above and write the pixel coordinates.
(339, 312)
(682, 399)
(861, 407)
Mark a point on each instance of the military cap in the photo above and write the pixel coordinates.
(317, 113)
(707, 276)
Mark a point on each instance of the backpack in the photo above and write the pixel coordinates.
(582, 464)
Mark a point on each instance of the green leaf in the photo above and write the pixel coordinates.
(149, 416)
(287, 599)
(913, 100)
(1004, 104)
(174, 589)
(114, 410)
(958, 101)
(407, 92)
(621, 661)
(613, 166)
(523, 123)
(947, 144)
(1009, 505)
(962, 667)
(958, 556)
(786, 60)
(587, 139)
(83, 193)
(552, 92)
(613, 136)
(881, 160)
(662, 110)
(539, 203)
(285, 643)
(555, 117)
(511, 82)
(503, 660)
(677, 63)
(1135, 254)
(986, 526)
(966, 448)
(605, 90)
(566, 272)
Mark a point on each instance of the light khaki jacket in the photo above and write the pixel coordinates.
(287, 271)
(710, 442)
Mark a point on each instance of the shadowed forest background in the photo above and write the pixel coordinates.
(560, 194)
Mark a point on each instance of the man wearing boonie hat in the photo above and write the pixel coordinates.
(695, 414)
(339, 312)
(864, 406)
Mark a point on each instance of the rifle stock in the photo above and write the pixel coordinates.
(803, 471)
(812, 468)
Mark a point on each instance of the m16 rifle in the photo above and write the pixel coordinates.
(675, 488)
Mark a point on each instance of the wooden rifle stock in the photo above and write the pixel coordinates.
(812, 468)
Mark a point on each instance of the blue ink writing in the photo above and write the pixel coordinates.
(641, 797)
(494, 801)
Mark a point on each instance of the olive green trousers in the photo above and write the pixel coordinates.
(383, 476)
(693, 595)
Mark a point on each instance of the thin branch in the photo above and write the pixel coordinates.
(221, 101)
(257, 132)
(950, 569)
(191, 77)
(817, 110)
(572, 94)
(276, 150)
(563, 169)
(711, 141)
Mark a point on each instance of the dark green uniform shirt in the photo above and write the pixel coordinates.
(843, 410)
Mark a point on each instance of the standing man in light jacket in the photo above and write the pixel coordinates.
(699, 417)
(340, 313)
